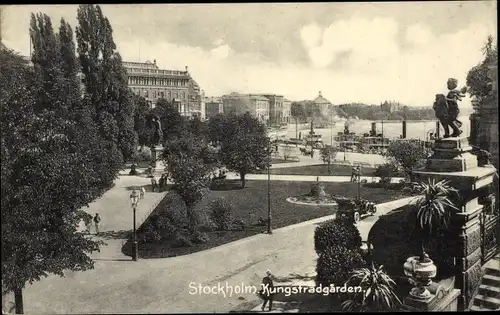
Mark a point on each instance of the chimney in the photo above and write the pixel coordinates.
(186, 68)
(320, 93)
(154, 61)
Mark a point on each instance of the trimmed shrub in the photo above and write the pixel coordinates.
(336, 263)
(337, 232)
(239, 225)
(395, 237)
(200, 237)
(181, 240)
(221, 213)
(386, 172)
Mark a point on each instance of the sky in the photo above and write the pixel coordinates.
(351, 52)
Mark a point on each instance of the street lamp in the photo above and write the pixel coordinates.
(134, 200)
(269, 230)
(358, 175)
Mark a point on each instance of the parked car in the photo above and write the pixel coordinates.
(354, 208)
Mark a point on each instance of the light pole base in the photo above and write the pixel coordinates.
(135, 251)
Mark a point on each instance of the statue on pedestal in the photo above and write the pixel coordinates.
(157, 134)
(446, 109)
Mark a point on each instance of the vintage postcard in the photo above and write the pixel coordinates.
(249, 157)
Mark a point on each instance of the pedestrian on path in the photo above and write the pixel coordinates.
(267, 291)
(142, 192)
(87, 219)
(97, 220)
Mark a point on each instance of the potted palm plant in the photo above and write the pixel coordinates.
(377, 291)
(433, 212)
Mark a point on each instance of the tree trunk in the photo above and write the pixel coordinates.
(18, 298)
(242, 176)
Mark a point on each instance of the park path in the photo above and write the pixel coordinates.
(116, 213)
(163, 285)
(307, 178)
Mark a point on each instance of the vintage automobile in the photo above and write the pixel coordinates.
(354, 208)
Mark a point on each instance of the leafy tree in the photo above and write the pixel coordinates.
(328, 154)
(46, 174)
(247, 147)
(216, 129)
(406, 155)
(142, 112)
(198, 128)
(189, 162)
(106, 82)
(478, 82)
(297, 111)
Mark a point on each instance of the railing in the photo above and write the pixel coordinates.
(152, 208)
(155, 71)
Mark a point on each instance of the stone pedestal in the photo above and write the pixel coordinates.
(157, 164)
(443, 297)
(454, 162)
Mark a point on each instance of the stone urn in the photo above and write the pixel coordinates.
(421, 270)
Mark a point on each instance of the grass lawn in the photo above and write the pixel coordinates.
(280, 161)
(250, 204)
(321, 170)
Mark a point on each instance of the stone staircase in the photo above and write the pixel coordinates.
(488, 296)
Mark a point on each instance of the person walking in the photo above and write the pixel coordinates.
(267, 291)
(87, 219)
(97, 220)
(142, 192)
(353, 174)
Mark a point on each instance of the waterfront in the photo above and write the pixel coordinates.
(391, 129)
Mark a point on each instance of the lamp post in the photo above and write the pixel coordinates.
(134, 200)
(269, 230)
(358, 175)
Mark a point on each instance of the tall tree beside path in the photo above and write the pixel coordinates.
(246, 148)
(106, 82)
(47, 174)
(189, 162)
(142, 111)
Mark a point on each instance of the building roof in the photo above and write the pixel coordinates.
(258, 97)
(321, 100)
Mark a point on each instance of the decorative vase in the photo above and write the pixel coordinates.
(421, 269)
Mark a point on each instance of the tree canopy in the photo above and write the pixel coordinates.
(48, 167)
(478, 82)
(246, 148)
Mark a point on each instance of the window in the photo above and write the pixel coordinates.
(154, 94)
(182, 95)
(162, 94)
(146, 93)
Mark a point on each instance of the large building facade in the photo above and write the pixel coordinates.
(256, 105)
(149, 81)
(275, 108)
(213, 106)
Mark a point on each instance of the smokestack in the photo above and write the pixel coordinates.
(374, 128)
(404, 129)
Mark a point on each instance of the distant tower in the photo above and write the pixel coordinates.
(186, 68)
(320, 93)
